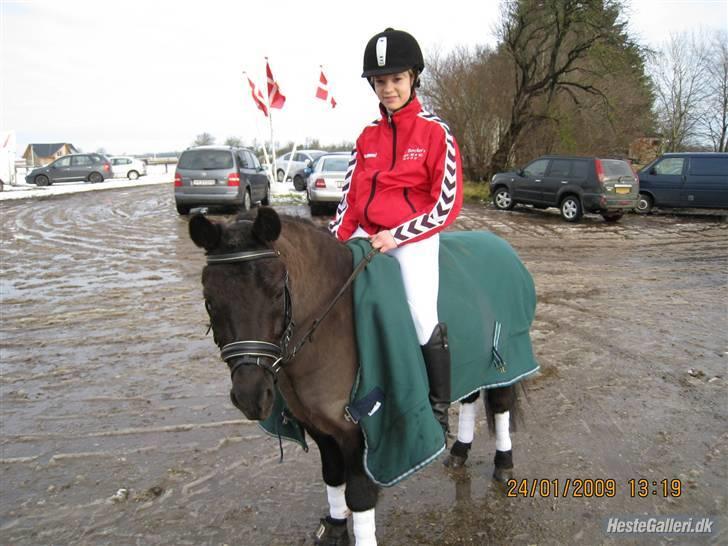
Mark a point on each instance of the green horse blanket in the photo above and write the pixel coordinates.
(486, 298)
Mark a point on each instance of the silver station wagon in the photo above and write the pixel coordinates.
(325, 182)
(219, 176)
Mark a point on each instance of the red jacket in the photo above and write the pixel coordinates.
(404, 175)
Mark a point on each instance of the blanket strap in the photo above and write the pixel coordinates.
(365, 406)
(500, 364)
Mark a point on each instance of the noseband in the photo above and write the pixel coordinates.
(270, 356)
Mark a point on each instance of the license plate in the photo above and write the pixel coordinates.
(203, 182)
(622, 189)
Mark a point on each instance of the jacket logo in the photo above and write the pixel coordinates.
(413, 154)
(367, 156)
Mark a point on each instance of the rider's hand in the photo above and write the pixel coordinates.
(383, 241)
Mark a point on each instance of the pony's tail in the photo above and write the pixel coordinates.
(503, 399)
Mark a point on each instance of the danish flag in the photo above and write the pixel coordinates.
(322, 91)
(276, 99)
(257, 97)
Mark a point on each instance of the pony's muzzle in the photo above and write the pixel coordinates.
(252, 392)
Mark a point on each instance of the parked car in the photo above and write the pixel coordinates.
(296, 163)
(219, 176)
(325, 181)
(127, 167)
(71, 168)
(572, 184)
(685, 180)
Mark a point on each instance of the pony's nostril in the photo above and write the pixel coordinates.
(233, 399)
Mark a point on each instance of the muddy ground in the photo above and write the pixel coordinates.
(109, 382)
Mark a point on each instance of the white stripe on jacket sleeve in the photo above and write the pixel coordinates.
(343, 207)
(437, 217)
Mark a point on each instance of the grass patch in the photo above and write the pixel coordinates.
(476, 192)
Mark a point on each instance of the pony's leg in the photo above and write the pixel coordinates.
(361, 492)
(500, 401)
(332, 529)
(466, 427)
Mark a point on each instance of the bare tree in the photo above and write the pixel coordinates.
(467, 89)
(204, 139)
(714, 117)
(547, 40)
(233, 141)
(680, 75)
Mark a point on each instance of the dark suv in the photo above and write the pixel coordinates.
(219, 176)
(572, 184)
(685, 180)
(72, 168)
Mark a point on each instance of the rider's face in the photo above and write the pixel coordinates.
(393, 90)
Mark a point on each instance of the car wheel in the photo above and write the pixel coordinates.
(182, 209)
(132, 175)
(42, 180)
(571, 208)
(298, 183)
(279, 175)
(266, 200)
(503, 200)
(95, 178)
(247, 203)
(316, 208)
(644, 204)
(612, 216)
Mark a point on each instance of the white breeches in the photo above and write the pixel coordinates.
(419, 263)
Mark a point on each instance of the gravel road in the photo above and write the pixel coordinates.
(117, 428)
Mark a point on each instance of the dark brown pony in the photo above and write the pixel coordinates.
(266, 282)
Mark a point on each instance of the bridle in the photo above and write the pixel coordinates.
(272, 356)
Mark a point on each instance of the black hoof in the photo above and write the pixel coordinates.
(455, 461)
(330, 533)
(458, 455)
(502, 475)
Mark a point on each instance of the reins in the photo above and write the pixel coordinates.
(258, 352)
(308, 336)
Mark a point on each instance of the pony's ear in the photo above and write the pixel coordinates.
(204, 233)
(267, 225)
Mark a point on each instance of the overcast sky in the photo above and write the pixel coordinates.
(136, 77)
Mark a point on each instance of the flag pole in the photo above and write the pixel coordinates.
(257, 130)
(270, 121)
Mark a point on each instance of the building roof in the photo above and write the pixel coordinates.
(47, 150)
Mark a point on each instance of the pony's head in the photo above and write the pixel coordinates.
(245, 290)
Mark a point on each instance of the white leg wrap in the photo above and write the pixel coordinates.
(365, 528)
(466, 423)
(502, 433)
(337, 502)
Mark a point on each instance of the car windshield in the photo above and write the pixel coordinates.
(205, 160)
(616, 167)
(335, 164)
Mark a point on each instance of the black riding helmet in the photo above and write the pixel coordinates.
(390, 52)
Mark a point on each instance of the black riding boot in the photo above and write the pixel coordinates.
(437, 362)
